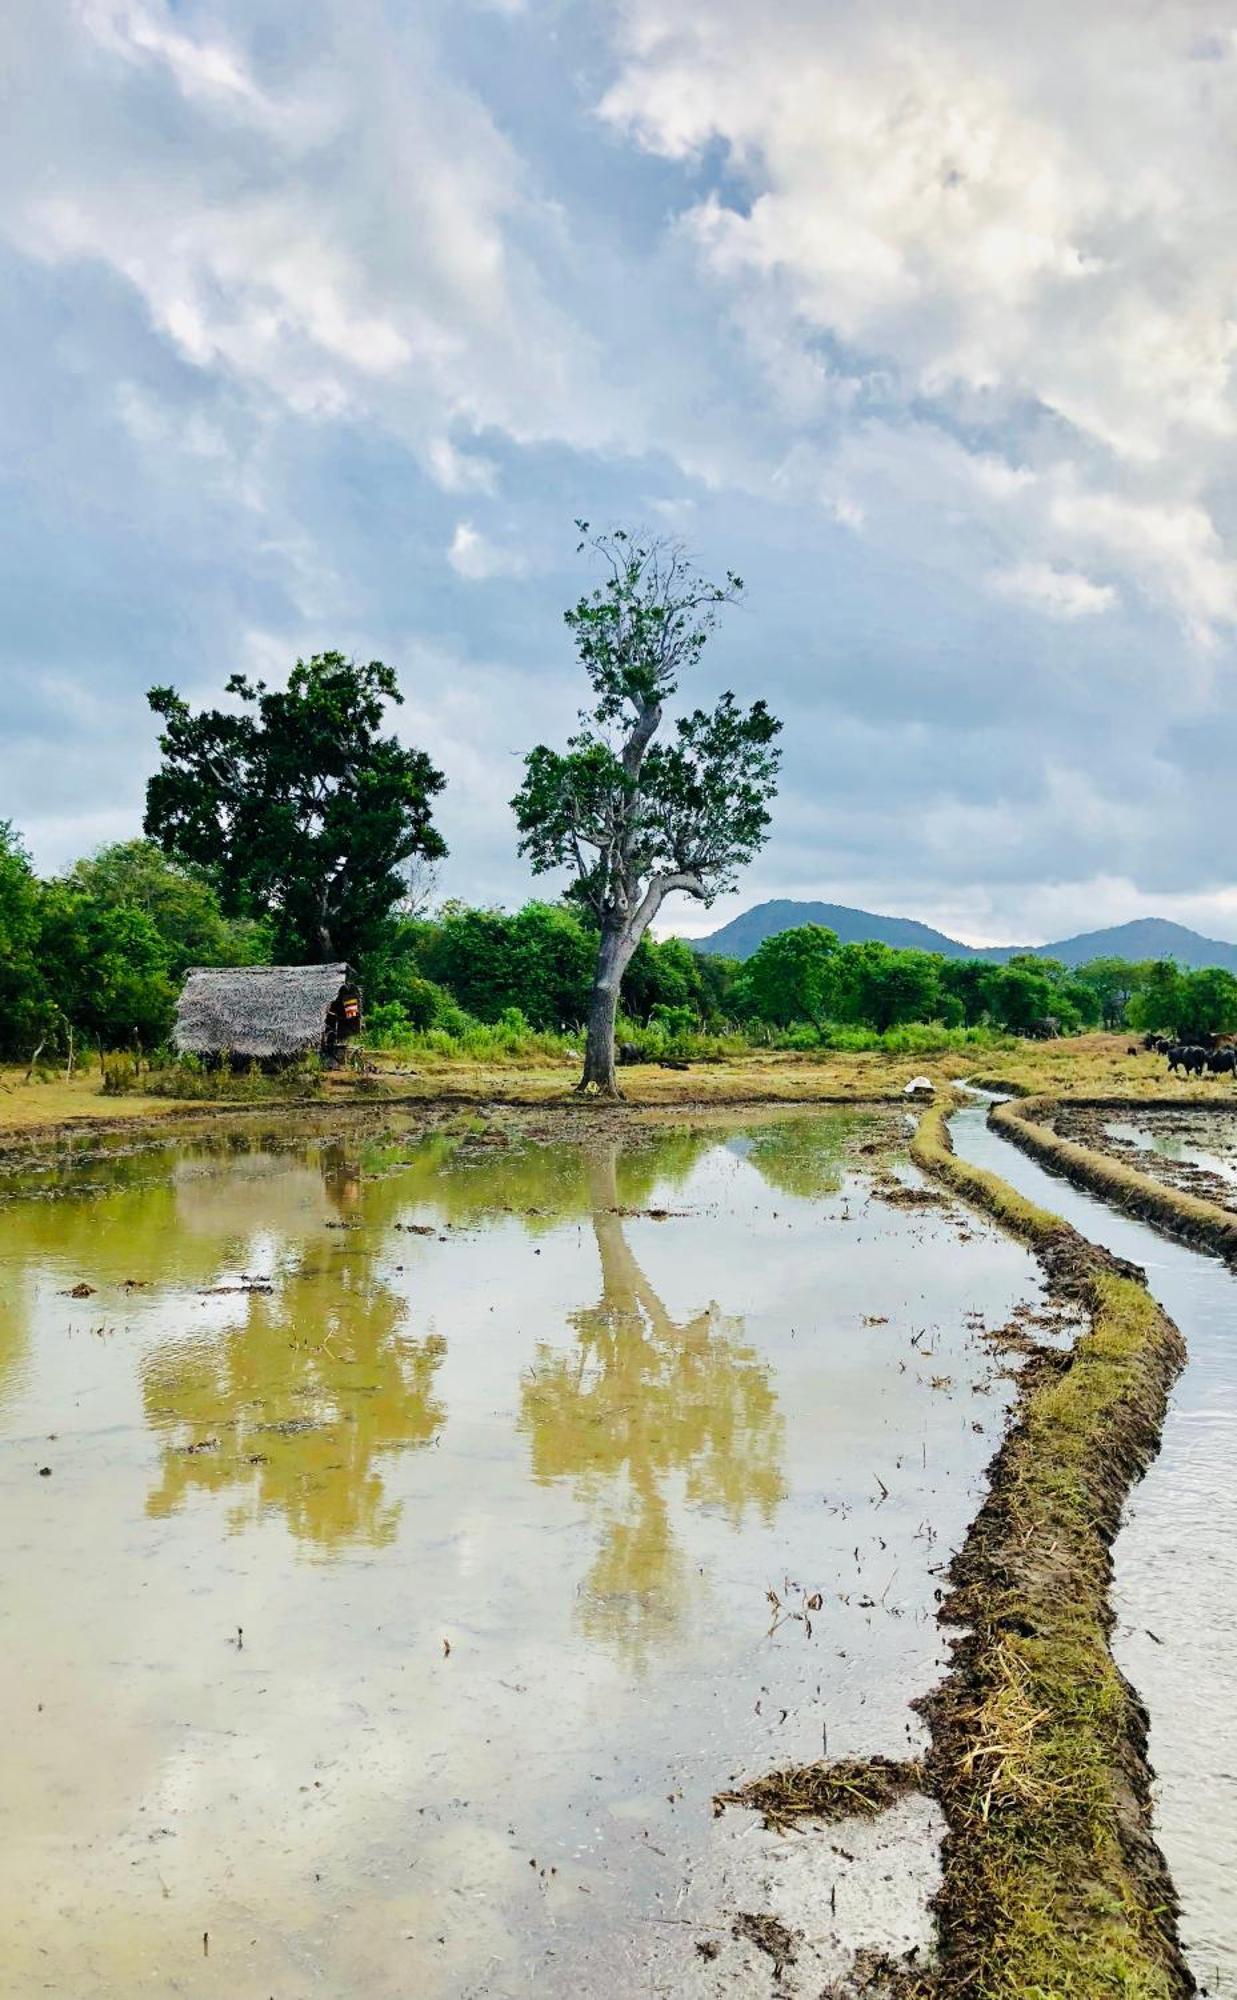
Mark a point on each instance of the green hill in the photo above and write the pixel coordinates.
(1143, 938)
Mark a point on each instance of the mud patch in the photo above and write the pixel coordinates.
(850, 1788)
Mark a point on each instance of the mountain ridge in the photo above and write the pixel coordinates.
(1140, 938)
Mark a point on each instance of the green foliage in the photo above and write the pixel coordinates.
(26, 1012)
(99, 953)
(303, 814)
(539, 960)
(105, 966)
(631, 817)
(1158, 1004)
(884, 987)
(1194, 1005)
(1209, 1004)
(964, 984)
(180, 903)
(805, 976)
(1114, 982)
(793, 976)
(663, 972)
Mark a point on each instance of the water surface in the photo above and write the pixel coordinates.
(404, 1538)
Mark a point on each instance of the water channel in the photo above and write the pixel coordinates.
(1176, 1557)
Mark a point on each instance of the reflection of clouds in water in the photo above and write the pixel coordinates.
(640, 1399)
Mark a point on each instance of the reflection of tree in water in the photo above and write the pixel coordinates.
(471, 1177)
(640, 1399)
(294, 1406)
(807, 1156)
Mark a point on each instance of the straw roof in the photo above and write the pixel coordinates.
(256, 1010)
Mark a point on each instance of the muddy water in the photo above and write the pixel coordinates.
(403, 1539)
(1176, 1560)
(1205, 1141)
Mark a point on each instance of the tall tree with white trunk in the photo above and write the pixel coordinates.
(633, 818)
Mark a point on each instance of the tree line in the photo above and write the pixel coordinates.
(95, 957)
(290, 825)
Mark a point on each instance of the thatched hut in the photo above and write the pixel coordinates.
(267, 1013)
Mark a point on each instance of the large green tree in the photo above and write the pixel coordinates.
(1209, 1003)
(884, 987)
(1114, 982)
(1159, 1003)
(105, 965)
(301, 810)
(635, 819)
(791, 976)
(181, 903)
(25, 1010)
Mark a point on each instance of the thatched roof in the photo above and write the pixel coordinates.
(256, 1010)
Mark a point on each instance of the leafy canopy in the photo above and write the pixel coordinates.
(631, 817)
(296, 805)
(792, 976)
(24, 1009)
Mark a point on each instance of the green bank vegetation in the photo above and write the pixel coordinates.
(93, 959)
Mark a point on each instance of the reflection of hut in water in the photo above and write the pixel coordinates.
(267, 1013)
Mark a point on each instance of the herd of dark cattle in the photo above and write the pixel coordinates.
(1194, 1058)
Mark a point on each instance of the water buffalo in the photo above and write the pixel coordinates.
(1182, 1056)
(1222, 1062)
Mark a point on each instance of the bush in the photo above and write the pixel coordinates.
(187, 1077)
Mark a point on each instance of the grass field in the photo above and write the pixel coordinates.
(1098, 1066)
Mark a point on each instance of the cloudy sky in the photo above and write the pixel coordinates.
(321, 323)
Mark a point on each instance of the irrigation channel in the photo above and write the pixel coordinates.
(1175, 1593)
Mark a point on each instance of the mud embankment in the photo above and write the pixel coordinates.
(1189, 1217)
(1053, 1882)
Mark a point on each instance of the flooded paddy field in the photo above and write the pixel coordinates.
(1175, 1587)
(406, 1537)
(1193, 1148)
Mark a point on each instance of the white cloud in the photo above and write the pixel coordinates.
(474, 556)
(460, 471)
(364, 245)
(1060, 593)
(926, 321)
(136, 33)
(1012, 225)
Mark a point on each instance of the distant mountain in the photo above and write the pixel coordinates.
(1145, 937)
(740, 937)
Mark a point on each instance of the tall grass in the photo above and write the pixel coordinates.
(673, 1033)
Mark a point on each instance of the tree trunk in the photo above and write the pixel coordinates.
(612, 959)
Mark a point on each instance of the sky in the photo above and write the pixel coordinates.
(321, 325)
